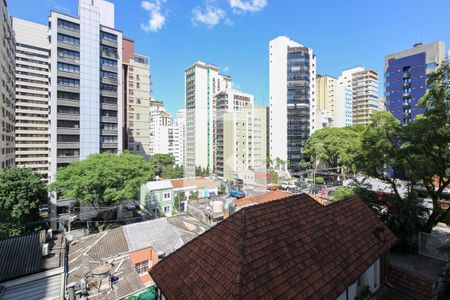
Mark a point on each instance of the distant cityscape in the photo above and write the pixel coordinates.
(76, 87)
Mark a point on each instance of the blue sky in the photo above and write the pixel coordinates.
(234, 34)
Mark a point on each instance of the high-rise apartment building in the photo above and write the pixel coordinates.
(405, 78)
(32, 95)
(240, 134)
(85, 84)
(7, 92)
(160, 125)
(344, 104)
(177, 134)
(202, 82)
(364, 85)
(292, 80)
(326, 101)
(138, 105)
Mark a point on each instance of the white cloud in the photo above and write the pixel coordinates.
(242, 6)
(226, 69)
(157, 18)
(211, 16)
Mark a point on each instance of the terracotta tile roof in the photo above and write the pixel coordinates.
(199, 182)
(262, 198)
(293, 248)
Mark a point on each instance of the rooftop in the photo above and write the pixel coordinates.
(294, 248)
(196, 182)
(262, 198)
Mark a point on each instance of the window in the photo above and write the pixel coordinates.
(142, 267)
(108, 36)
(68, 25)
(167, 209)
(166, 195)
(108, 62)
(106, 74)
(65, 53)
(68, 81)
(108, 87)
(68, 68)
(68, 39)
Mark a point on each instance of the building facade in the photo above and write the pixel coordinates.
(177, 137)
(32, 95)
(344, 104)
(202, 82)
(405, 78)
(86, 92)
(7, 92)
(292, 80)
(138, 105)
(326, 101)
(160, 125)
(364, 85)
(243, 144)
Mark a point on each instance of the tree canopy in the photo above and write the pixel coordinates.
(334, 147)
(164, 166)
(21, 193)
(105, 178)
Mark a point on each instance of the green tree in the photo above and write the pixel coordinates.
(199, 171)
(105, 178)
(21, 193)
(180, 197)
(160, 162)
(193, 195)
(342, 192)
(334, 147)
(320, 180)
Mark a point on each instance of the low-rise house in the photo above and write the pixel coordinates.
(261, 198)
(160, 196)
(294, 248)
(31, 266)
(114, 264)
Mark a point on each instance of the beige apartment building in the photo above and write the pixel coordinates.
(32, 95)
(244, 142)
(138, 108)
(326, 88)
(7, 93)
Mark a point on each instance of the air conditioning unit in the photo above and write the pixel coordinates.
(45, 249)
(49, 234)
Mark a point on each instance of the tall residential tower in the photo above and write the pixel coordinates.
(202, 82)
(7, 82)
(32, 96)
(405, 78)
(292, 76)
(85, 84)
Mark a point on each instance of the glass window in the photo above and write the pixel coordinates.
(68, 25)
(142, 267)
(65, 53)
(68, 39)
(68, 68)
(108, 36)
(68, 81)
(108, 62)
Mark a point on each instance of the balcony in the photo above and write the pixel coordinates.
(108, 93)
(106, 119)
(105, 145)
(109, 80)
(108, 43)
(109, 68)
(67, 88)
(68, 117)
(110, 54)
(67, 159)
(68, 145)
(109, 132)
(72, 75)
(68, 131)
(108, 106)
(67, 102)
(68, 46)
(69, 32)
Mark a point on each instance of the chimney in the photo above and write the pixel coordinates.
(379, 232)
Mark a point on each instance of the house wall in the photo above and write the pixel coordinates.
(371, 278)
(159, 196)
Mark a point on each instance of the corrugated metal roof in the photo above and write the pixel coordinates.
(20, 255)
(158, 234)
(48, 288)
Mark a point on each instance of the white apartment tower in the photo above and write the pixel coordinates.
(177, 137)
(85, 84)
(202, 82)
(7, 93)
(292, 80)
(326, 101)
(32, 96)
(160, 125)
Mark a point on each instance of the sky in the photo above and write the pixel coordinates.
(235, 34)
